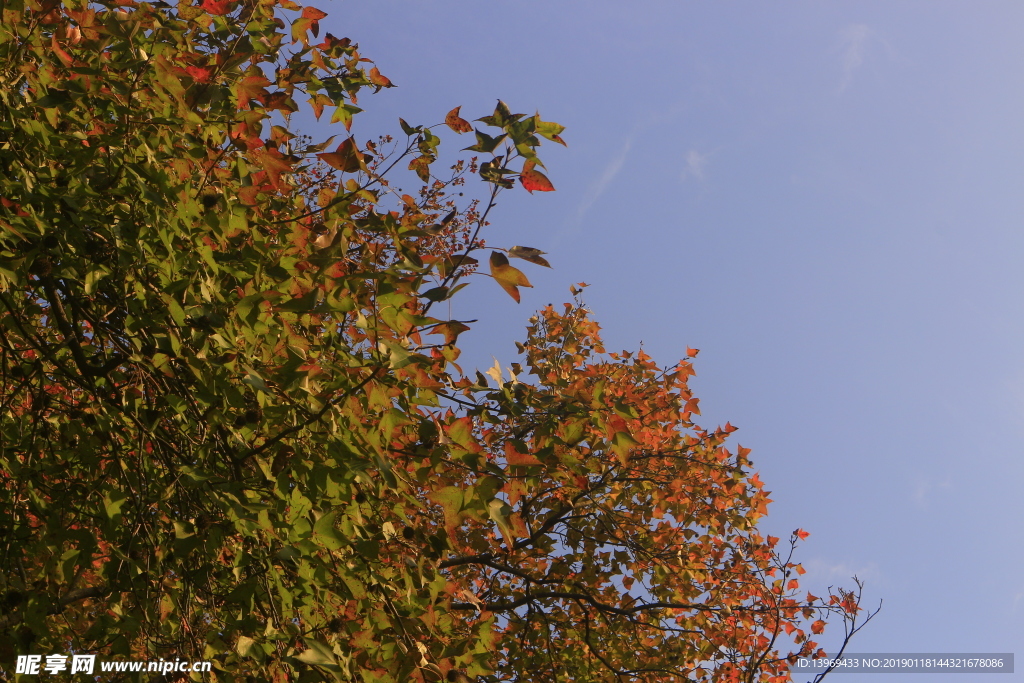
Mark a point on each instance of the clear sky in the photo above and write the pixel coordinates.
(827, 199)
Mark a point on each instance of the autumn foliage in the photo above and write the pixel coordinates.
(233, 426)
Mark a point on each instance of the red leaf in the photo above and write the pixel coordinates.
(313, 13)
(456, 122)
(801, 534)
(818, 626)
(64, 57)
(691, 353)
(216, 7)
(534, 180)
(200, 74)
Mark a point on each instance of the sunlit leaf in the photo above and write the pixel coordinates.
(346, 157)
(456, 122)
(509, 277)
(529, 254)
(533, 179)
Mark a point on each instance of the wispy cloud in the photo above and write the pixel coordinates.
(695, 164)
(853, 42)
(597, 189)
(602, 183)
(925, 488)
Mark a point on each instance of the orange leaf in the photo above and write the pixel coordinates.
(278, 100)
(534, 180)
(330, 42)
(64, 57)
(274, 163)
(313, 13)
(514, 457)
(801, 534)
(346, 158)
(421, 165)
(451, 330)
(509, 277)
(247, 195)
(456, 122)
(250, 88)
(380, 80)
(818, 626)
(691, 353)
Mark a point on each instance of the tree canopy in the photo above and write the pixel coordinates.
(233, 426)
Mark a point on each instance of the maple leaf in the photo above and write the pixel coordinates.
(509, 277)
(330, 43)
(346, 157)
(278, 100)
(216, 7)
(456, 122)
(200, 74)
(313, 13)
(274, 164)
(529, 254)
(533, 179)
(252, 87)
(380, 80)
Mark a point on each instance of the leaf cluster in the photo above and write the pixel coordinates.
(232, 429)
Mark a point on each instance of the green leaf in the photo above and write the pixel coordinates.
(485, 143)
(343, 114)
(113, 501)
(529, 254)
(318, 654)
(501, 117)
(325, 534)
(436, 294)
(54, 98)
(409, 130)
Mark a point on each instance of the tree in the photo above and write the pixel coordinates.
(233, 430)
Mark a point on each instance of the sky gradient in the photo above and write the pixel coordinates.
(827, 199)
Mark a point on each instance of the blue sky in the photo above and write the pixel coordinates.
(827, 199)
